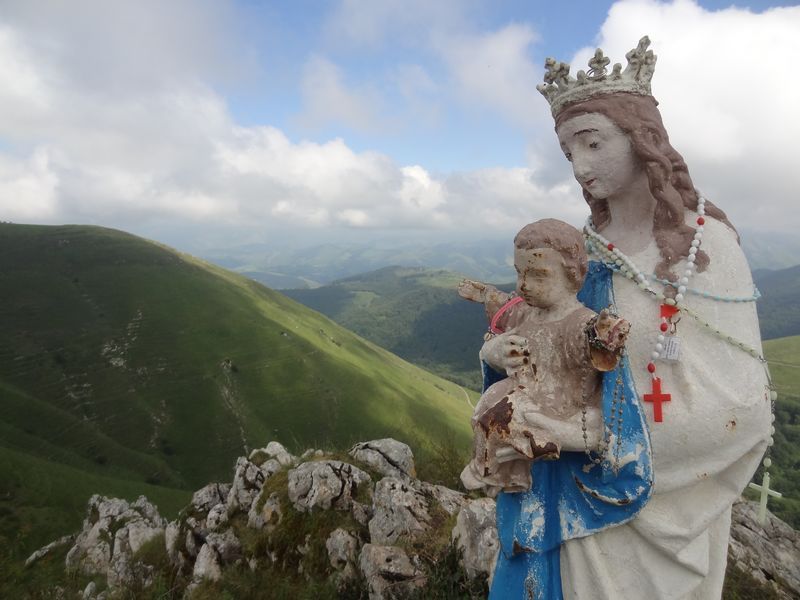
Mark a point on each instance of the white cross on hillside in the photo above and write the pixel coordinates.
(765, 493)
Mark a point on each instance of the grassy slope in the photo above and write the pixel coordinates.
(784, 361)
(414, 312)
(778, 308)
(133, 364)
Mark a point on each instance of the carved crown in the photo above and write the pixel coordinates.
(560, 89)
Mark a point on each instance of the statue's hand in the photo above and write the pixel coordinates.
(474, 291)
(568, 432)
(611, 330)
(507, 352)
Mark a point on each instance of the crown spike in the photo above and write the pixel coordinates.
(561, 90)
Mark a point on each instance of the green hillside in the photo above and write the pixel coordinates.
(414, 312)
(778, 307)
(127, 368)
(784, 363)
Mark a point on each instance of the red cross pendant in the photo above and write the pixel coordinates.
(657, 397)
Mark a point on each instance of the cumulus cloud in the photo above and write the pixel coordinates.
(495, 70)
(160, 145)
(327, 98)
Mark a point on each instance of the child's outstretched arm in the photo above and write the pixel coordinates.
(483, 293)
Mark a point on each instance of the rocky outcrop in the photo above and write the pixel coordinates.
(113, 532)
(770, 553)
(387, 456)
(325, 484)
(475, 534)
(388, 571)
(375, 534)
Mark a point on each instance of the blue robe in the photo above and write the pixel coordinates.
(572, 497)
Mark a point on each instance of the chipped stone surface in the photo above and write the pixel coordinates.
(268, 515)
(768, 552)
(324, 484)
(388, 570)
(45, 550)
(401, 510)
(204, 499)
(248, 479)
(342, 549)
(475, 534)
(113, 528)
(171, 536)
(207, 565)
(387, 456)
(226, 545)
(450, 500)
(217, 517)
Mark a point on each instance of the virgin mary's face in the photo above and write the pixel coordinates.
(601, 154)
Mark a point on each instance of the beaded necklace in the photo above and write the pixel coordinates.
(616, 260)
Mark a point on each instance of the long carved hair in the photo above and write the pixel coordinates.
(667, 174)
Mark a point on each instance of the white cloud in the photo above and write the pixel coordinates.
(327, 98)
(28, 189)
(495, 70)
(156, 143)
(727, 89)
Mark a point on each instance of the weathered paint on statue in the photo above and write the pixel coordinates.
(563, 348)
(671, 263)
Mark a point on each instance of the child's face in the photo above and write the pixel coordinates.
(541, 277)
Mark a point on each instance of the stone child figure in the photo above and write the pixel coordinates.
(563, 347)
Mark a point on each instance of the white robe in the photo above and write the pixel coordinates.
(704, 452)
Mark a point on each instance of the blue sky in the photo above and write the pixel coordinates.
(244, 121)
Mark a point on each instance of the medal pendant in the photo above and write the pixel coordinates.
(672, 349)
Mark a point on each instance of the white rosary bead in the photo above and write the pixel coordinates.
(771, 441)
(678, 297)
(767, 462)
(659, 347)
(700, 228)
(655, 356)
(684, 280)
(695, 243)
(660, 337)
(681, 289)
(692, 251)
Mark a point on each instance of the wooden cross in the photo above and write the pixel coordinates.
(657, 397)
(765, 493)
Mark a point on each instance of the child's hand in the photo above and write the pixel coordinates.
(474, 291)
(507, 352)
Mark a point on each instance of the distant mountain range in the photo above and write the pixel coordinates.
(486, 260)
(128, 368)
(417, 314)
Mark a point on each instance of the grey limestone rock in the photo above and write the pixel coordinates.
(207, 497)
(342, 547)
(44, 550)
(217, 517)
(113, 531)
(768, 552)
(207, 565)
(401, 511)
(248, 480)
(226, 545)
(450, 500)
(388, 571)
(475, 534)
(325, 484)
(387, 456)
(268, 515)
